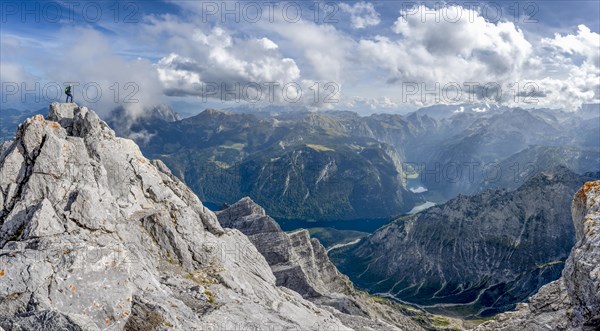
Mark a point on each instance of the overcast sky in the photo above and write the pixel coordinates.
(364, 56)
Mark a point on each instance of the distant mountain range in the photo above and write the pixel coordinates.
(334, 165)
(297, 165)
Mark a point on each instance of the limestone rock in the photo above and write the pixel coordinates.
(95, 236)
(582, 270)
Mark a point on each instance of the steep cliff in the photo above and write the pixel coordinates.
(93, 236)
(573, 301)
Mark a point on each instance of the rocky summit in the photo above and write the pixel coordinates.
(94, 236)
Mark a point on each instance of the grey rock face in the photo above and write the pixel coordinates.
(573, 301)
(95, 236)
(582, 270)
(475, 255)
(301, 264)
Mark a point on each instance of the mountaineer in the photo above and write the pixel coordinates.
(68, 92)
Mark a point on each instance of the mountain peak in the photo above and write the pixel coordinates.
(78, 121)
(165, 113)
(245, 207)
(301, 264)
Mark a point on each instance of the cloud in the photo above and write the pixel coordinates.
(582, 85)
(217, 58)
(495, 56)
(91, 60)
(186, 53)
(362, 14)
(383, 102)
(13, 73)
(321, 47)
(445, 51)
(569, 71)
(103, 80)
(585, 43)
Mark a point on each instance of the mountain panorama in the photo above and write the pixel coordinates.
(94, 235)
(357, 165)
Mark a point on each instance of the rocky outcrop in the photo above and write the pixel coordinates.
(582, 270)
(95, 236)
(472, 256)
(573, 301)
(301, 264)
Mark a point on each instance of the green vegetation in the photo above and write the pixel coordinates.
(440, 321)
(209, 295)
(379, 299)
(427, 320)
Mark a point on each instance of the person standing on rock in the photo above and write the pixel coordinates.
(68, 92)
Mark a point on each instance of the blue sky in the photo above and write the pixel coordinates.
(383, 56)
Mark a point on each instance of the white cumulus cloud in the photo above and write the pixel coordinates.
(469, 49)
(446, 51)
(362, 14)
(585, 43)
(217, 58)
